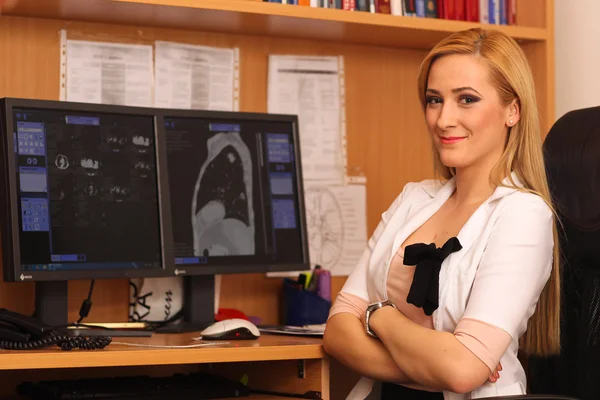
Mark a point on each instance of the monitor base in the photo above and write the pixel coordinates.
(183, 327)
(51, 302)
(198, 306)
(85, 332)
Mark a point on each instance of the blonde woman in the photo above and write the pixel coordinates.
(461, 272)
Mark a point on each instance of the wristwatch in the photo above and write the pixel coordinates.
(371, 309)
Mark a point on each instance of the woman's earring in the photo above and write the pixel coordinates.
(510, 123)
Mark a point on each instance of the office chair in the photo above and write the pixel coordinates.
(572, 155)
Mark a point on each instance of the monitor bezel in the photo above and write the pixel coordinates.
(203, 269)
(11, 258)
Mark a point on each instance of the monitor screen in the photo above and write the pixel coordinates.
(235, 189)
(87, 190)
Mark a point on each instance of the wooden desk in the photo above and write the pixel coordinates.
(275, 363)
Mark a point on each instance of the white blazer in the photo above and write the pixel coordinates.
(497, 276)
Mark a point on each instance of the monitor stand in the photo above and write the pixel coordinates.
(52, 308)
(52, 302)
(198, 305)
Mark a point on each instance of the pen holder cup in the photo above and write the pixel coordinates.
(300, 307)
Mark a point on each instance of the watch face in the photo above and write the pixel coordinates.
(377, 305)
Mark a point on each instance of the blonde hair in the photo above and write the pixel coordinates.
(511, 76)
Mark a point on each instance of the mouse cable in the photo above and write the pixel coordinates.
(86, 305)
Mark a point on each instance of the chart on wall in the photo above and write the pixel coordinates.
(312, 87)
(325, 224)
(106, 73)
(337, 224)
(196, 77)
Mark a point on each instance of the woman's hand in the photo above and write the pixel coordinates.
(496, 375)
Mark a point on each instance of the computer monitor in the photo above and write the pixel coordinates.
(237, 199)
(88, 191)
(84, 197)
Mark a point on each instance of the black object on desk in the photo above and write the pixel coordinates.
(22, 332)
(87, 332)
(192, 386)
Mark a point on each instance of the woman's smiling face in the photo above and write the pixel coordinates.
(464, 114)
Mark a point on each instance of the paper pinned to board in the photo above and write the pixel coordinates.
(336, 222)
(196, 77)
(312, 87)
(109, 73)
(337, 226)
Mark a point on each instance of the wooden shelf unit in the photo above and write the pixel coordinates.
(281, 364)
(387, 141)
(268, 19)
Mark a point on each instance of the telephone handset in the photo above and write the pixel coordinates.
(20, 332)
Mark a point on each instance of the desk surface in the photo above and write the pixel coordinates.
(266, 348)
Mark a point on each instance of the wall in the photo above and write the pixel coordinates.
(577, 52)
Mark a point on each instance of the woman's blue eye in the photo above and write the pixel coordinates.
(468, 99)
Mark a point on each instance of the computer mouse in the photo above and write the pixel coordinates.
(231, 329)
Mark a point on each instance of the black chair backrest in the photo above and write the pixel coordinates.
(572, 156)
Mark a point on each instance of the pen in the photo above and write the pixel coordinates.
(312, 284)
(302, 281)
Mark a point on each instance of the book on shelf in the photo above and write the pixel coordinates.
(495, 12)
(431, 9)
(409, 8)
(383, 7)
(349, 5)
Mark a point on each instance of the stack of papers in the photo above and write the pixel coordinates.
(306, 330)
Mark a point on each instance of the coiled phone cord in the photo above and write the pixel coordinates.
(63, 341)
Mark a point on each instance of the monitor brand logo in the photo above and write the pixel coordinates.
(24, 277)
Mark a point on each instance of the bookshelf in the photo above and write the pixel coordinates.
(269, 19)
(386, 133)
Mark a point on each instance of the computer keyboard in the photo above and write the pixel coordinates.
(194, 386)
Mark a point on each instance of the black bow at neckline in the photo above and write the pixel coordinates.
(424, 291)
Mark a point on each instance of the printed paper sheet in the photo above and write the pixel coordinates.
(337, 226)
(109, 73)
(196, 77)
(312, 87)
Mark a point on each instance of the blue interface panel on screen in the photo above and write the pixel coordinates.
(236, 194)
(87, 191)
